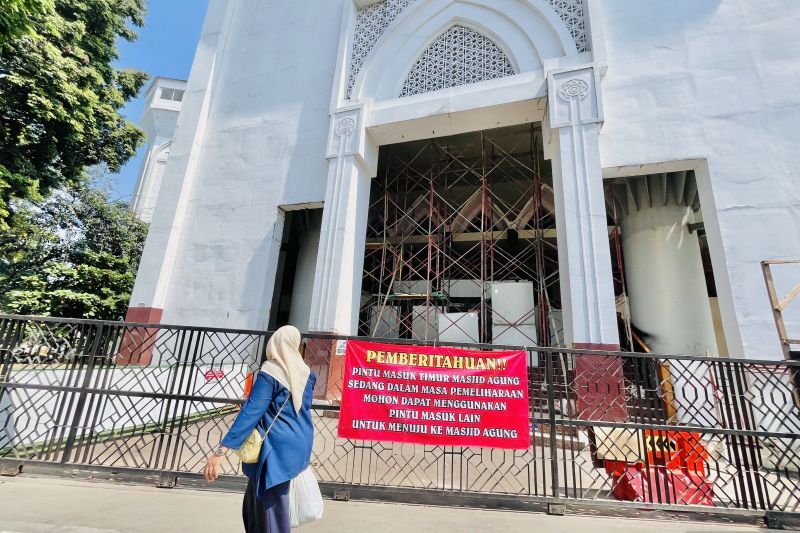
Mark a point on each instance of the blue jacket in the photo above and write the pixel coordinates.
(287, 449)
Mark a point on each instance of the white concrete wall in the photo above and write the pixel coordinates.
(251, 137)
(159, 121)
(151, 176)
(704, 84)
(715, 80)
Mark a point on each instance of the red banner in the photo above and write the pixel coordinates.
(435, 395)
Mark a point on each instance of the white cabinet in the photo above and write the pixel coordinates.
(514, 313)
(459, 327)
(519, 335)
(513, 303)
(422, 327)
(388, 322)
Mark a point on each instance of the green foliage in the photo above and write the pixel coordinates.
(74, 255)
(18, 16)
(60, 96)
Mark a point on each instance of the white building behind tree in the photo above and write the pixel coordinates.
(162, 106)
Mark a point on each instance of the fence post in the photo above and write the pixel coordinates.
(76, 419)
(10, 335)
(6, 355)
(551, 409)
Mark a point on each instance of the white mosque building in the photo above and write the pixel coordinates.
(162, 108)
(590, 173)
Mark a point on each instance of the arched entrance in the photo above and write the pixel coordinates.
(461, 241)
(406, 87)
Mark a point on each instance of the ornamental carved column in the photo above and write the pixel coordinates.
(352, 162)
(575, 117)
(337, 282)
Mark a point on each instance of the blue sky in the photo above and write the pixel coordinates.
(165, 47)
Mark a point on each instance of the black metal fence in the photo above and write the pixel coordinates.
(711, 433)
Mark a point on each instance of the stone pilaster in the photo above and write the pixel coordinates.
(574, 118)
(587, 290)
(337, 282)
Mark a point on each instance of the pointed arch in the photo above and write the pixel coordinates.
(459, 56)
(528, 31)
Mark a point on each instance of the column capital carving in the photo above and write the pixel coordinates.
(573, 97)
(347, 136)
(346, 132)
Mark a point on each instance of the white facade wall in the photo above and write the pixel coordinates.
(252, 138)
(704, 85)
(159, 120)
(715, 81)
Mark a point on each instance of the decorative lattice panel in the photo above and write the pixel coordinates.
(571, 12)
(373, 21)
(371, 24)
(458, 57)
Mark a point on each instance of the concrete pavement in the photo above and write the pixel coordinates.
(45, 505)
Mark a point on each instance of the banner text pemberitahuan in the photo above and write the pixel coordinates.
(435, 395)
(432, 360)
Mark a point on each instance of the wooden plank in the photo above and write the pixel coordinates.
(776, 312)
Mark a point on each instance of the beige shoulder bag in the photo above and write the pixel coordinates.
(251, 449)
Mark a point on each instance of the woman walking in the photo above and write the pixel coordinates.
(281, 393)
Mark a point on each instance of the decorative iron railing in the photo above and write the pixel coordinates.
(656, 429)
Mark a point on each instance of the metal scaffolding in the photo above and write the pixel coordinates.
(453, 222)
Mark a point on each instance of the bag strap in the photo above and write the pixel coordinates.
(277, 415)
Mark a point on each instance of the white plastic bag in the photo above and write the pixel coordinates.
(305, 499)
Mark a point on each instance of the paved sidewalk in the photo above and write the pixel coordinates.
(44, 505)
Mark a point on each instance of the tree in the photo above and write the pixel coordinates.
(17, 16)
(60, 96)
(73, 255)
